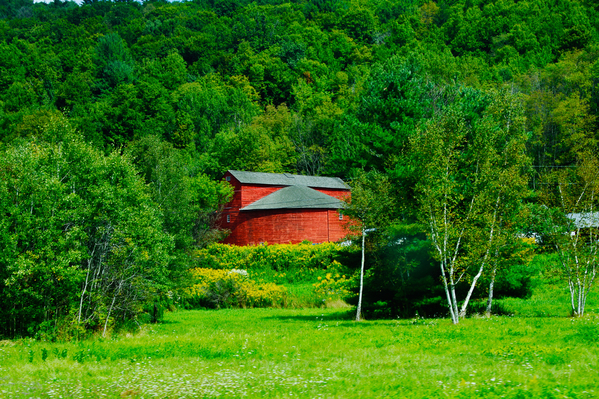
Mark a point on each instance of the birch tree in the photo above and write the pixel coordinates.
(370, 208)
(574, 194)
(472, 166)
(509, 249)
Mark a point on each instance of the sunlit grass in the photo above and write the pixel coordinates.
(550, 297)
(314, 353)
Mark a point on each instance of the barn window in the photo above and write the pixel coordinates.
(340, 216)
(228, 178)
(228, 218)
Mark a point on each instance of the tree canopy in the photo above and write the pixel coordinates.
(117, 117)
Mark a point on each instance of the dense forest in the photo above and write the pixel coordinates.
(118, 117)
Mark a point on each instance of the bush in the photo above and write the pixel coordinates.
(334, 285)
(81, 242)
(279, 264)
(216, 288)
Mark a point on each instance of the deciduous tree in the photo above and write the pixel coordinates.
(370, 209)
(573, 195)
(471, 164)
(81, 240)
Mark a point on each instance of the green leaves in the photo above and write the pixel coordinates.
(398, 98)
(78, 230)
(371, 202)
(113, 62)
(471, 181)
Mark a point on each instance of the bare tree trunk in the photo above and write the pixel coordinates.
(89, 266)
(359, 311)
(471, 290)
(454, 304)
(83, 294)
(484, 261)
(449, 301)
(108, 316)
(491, 288)
(110, 310)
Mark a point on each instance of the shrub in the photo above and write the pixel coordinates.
(335, 284)
(81, 242)
(215, 288)
(279, 264)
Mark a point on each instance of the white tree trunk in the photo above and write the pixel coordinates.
(471, 290)
(491, 288)
(108, 315)
(359, 311)
(111, 307)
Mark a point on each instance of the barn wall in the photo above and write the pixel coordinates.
(339, 194)
(252, 193)
(286, 226)
(337, 229)
(237, 189)
(237, 236)
(231, 209)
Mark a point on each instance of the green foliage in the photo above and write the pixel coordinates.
(215, 288)
(334, 285)
(398, 97)
(262, 146)
(189, 201)
(79, 235)
(281, 263)
(356, 76)
(209, 106)
(472, 184)
(402, 279)
(113, 62)
(328, 87)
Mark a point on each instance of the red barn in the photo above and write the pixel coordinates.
(283, 208)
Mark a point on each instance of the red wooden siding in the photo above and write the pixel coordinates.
(252, 193)
(285, 226)
(339, 194)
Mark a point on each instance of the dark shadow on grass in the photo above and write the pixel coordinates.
(344, 315)
(344, 319)
(165, 322)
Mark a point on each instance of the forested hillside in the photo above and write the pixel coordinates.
(117, 117)
(316, 87)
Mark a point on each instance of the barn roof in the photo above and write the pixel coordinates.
(286, 179)
(295, 197)
(584, 220)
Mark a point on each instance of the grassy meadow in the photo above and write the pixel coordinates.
(534, 350)
(314, 353)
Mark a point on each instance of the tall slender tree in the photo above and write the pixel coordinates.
(472, 177)
(370, 209)
(573, 193)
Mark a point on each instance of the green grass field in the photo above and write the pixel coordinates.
(314, 353)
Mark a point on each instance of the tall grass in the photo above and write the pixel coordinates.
(534, 352)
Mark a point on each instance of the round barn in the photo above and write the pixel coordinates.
(283, 208)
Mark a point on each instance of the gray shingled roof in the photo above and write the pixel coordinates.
(584, 220)
(295, 197)
(285, 179)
